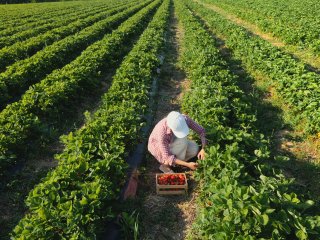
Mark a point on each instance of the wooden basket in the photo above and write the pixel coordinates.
(171, 189)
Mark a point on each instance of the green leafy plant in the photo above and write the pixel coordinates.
(130, 225)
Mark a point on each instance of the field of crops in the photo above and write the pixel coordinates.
(295, 22)
(76, 84)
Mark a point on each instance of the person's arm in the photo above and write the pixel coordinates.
(201, 132)
(201, 154)
(191, 165)
(170, 159)
(167, 157)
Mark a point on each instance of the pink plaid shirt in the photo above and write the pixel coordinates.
(162, 136)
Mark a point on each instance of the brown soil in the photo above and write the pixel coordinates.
(307, 150)
(167, 217)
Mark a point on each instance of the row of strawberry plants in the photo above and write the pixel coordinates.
(10, 30)
(298, 86)
(24, 49)
(72, 200)
(54, 97)
(240, 196)
(59, 21)
(12, 14)
(292, 21)
(18, 18)
(46, 18)
(24, 73)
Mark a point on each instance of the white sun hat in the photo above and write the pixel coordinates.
(177, 123)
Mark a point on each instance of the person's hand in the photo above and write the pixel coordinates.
(192, 165)
(201, 154)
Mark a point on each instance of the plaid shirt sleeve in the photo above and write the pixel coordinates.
(159, 144)
(167, 157)
(198, 129)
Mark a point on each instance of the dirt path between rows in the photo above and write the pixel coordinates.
(166, 217)
(306, 56)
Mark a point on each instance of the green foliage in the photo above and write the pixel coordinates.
(47, 100)
(24, 49)
(298, 86)
(17, 18)
(130, 225)
(32, 1)
(295, 22)
(71, 201)
(240, 196)
(27, 72)
(23, 34)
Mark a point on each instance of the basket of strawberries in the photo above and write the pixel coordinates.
(171, 183)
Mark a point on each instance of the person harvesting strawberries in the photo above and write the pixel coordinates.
(169, 144)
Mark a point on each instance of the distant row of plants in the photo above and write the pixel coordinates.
(26, 15)
(32, 1)
(26, 48)
(59, 21)
(24, 73)
(22, 19)
(240, 196)
(293, 21)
